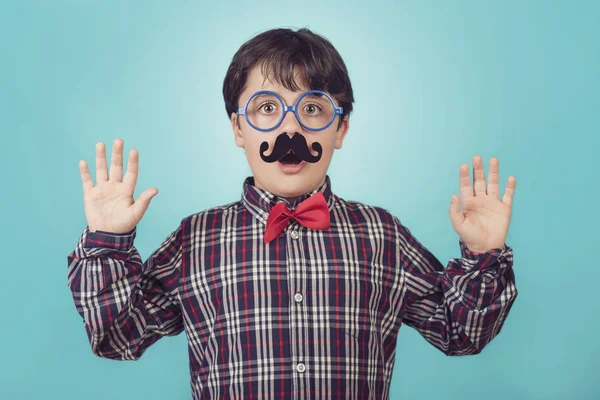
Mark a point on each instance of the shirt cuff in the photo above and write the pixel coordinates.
(102, 242)
(473, 256)
(491, 260)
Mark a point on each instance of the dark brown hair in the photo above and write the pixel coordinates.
(279, 51)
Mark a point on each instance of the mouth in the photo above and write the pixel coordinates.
(290, 159)
(290, 163)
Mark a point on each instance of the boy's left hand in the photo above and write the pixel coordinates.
(483, 223)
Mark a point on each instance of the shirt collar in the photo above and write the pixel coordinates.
(259, 201)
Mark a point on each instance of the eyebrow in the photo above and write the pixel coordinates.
(319, 95)
(263, 95)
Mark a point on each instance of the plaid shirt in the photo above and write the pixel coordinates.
(314, 314)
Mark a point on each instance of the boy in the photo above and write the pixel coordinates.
(291, 291)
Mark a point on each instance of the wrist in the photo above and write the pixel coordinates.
(481, 250)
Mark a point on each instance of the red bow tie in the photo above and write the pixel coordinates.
(311, 213)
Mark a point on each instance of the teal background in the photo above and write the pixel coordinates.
(435, 83)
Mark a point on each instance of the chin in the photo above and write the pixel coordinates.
(296, 185)
(289, 185)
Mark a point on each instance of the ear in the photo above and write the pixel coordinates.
(237, 132)
(341, 133)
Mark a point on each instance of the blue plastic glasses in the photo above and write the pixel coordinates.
(315, 110)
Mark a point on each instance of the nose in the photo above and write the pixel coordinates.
(290, 124)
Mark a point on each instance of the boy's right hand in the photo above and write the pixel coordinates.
(109, 206)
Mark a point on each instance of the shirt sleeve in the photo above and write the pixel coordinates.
(458, 309)
(126, 304)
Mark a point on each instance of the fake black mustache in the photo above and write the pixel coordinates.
(296, 143)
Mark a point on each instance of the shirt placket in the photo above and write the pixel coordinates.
(298, 320)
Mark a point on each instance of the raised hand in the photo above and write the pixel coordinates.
(483, 222)
(109, 205)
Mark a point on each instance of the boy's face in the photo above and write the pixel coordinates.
(275, 177)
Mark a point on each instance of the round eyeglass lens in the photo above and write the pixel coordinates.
(315, 110)
(264, 110)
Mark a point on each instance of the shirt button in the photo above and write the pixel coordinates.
(298, 297)
(295, 234)
(300, 367)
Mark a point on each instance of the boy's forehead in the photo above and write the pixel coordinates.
(257, 81)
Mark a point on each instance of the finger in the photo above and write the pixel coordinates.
(466, 190)
(116, 161)
(456, 216)
(494, 178)
(509, 191)
(143, 201)
(86, 178)
(101, 170)
(132, 169)
(478, 176)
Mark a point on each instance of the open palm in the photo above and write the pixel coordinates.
(109, 205)
(483, 222)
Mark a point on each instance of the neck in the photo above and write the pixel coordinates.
(290, 200)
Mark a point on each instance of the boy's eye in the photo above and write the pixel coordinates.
(267, 108)
(312, 109)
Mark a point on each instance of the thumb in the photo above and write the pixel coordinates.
(143, 201)
(456, 216)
